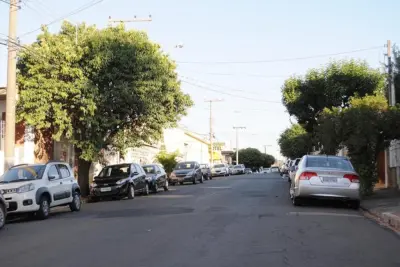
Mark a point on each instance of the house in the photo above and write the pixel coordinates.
(189, 145)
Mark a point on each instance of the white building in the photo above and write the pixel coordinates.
(190, 146)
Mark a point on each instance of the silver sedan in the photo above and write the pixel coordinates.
(330, 177)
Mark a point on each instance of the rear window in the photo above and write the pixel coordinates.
(329, 162)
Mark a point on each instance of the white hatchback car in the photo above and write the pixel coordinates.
(35, 188)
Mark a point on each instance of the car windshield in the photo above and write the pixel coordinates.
(23, 173)
(115, 170)
(149, 169)
(219, 166)
(203, 166)
(329, 162)
(184, 165)
(238, 167)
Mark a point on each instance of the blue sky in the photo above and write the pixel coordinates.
(252, 30)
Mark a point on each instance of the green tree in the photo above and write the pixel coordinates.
(333, 86)
(365, 129)
(168, 160)
(113, 90)
(396, 71)
(254, 159)
(295, 142)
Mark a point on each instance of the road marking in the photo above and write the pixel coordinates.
(218, 187)
(170, 196)
(323, 214)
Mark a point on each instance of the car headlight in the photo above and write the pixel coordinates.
(25, 188)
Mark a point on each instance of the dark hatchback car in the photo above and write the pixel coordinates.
(188, 171)
(156, 177)
(119, 181)
(3, 211)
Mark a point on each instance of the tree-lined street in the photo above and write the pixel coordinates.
(245, 220)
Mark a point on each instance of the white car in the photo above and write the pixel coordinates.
(35, 188)
(220, 169)
(266, 170)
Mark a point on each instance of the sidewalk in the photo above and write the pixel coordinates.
(384, 207)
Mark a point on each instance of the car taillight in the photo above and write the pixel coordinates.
(307, 175)
(352, 177)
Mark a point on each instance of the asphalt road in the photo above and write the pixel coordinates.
(245, 221)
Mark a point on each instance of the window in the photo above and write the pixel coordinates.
(139, 169)
(133, 168)
(64, 171)
(185, 165)
(53, 172)
(329, 162)
(150, 169)
(219, 166)
(31, 172)
(115, 170)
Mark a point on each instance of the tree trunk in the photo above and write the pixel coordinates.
(83, 172)
(43, 145)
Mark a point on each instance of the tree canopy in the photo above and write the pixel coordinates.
(295, 142)
(254, 159)
(333, 86)
(115, 88)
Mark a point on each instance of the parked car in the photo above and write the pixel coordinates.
(156, 177)
(325, 177)
(293, 169)
(238, 169)
(274, 169)
(119, 181)
(231, 171)
(188, 171)
(266, 170)
(206, 171)
(35, 188)
(220, 169)
(3, 211)
(248, 171)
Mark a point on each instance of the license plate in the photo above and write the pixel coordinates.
(105, 189)
(329, 179)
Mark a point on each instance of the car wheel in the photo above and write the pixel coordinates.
(296, 201)
(166, 185)
(131, 192)
(76, 204)
(181, 183)
(355, 204)
(2, 216)
(201, 179)
(44, 208)
(146, 189)
(155, 188)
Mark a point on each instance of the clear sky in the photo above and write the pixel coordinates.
(252, 30)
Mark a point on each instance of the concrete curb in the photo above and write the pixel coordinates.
(385, 219)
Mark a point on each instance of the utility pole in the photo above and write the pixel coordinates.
(237, 141)
(111, 21)
(11, 98)
(391, 89)
(211, 130)
(265, 148)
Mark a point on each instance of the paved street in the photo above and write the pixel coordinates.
(241, 221)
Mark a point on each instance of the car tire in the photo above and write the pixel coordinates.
(181, 183)
(155, 188)
(355, 204)
(166, 185)
(44, 208)
(76, 203)
(131, 192)
(210, 177)
(2, 216)
(296, 201)
(194, 180)
(146, 190)
(201, 179)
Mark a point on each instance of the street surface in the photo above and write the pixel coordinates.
(244, 221)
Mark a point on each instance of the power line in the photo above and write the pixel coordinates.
(280, 60)
(238, 74)
(225, 93)
(220, 86)
(74, 12)
(7, 2)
